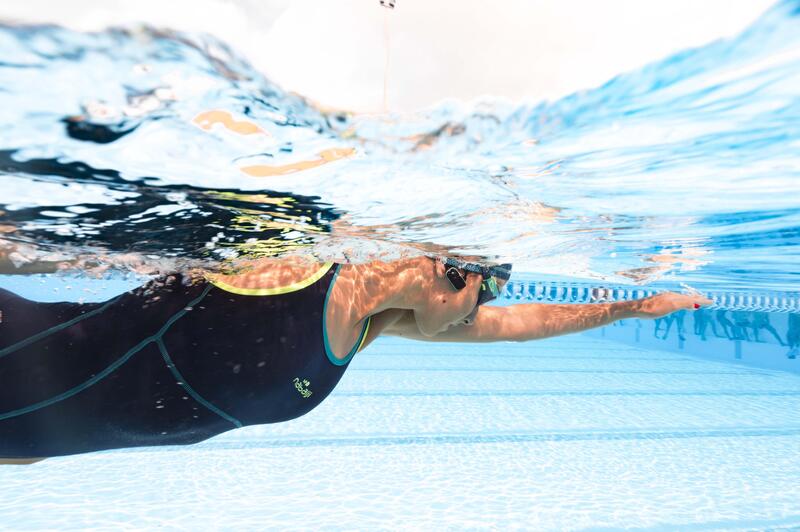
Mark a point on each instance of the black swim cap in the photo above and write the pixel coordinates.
(502, 271)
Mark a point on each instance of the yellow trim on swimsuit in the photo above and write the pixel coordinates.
(299, 285)
(364, 337)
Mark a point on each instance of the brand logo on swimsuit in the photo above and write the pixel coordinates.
(302, 387)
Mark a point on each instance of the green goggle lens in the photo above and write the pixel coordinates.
(489, 291)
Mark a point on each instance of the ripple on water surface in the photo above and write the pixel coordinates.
(165, 145)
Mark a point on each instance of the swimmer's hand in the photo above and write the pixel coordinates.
(668, 302)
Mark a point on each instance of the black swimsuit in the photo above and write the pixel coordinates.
(168, 363)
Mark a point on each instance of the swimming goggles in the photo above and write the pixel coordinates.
(489, 289)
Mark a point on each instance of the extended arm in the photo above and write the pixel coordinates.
(25, 259)
(533, 321)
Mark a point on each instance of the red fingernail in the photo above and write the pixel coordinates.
(696, 306)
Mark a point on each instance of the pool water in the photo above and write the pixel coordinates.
(561, 434)
(166, 145)
(134, 151)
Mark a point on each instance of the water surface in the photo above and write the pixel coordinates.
(140, 142)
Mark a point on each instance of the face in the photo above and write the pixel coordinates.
(444, 306)
(450, 307)
(470, 318)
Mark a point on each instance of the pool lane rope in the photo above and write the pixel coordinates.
(582, 292)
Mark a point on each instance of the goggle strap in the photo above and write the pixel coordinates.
(502, 271)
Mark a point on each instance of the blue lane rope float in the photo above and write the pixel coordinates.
(583, 292)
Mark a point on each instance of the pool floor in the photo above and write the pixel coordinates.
(571, 433)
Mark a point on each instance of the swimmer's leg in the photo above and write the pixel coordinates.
(20, 461)
(771, 330)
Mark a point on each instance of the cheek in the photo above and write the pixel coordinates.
(460, 305)
(463, 313)
(442, 313)
(428, 323)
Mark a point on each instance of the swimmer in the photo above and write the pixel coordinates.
(189, 356)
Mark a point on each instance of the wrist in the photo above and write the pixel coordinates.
(627, 309)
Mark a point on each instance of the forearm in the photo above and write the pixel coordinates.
(523, 322)
(534, 321)
(22, 259)
(9, 268)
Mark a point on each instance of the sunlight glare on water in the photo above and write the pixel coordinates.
(135, 150)
(168, 145)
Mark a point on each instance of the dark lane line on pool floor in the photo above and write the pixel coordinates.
(569, 393)
(477, 438)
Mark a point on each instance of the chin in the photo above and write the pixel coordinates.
(454, 324)
(445, 328)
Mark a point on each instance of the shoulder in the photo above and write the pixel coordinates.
(374, 291)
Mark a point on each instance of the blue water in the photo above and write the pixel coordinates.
(681, 174)
(684, 171)
(572, 433)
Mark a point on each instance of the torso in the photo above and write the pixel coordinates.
(347, 306)
(214, 342)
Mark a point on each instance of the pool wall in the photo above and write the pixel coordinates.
(757, 339)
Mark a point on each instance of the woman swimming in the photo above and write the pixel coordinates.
(186, 357)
